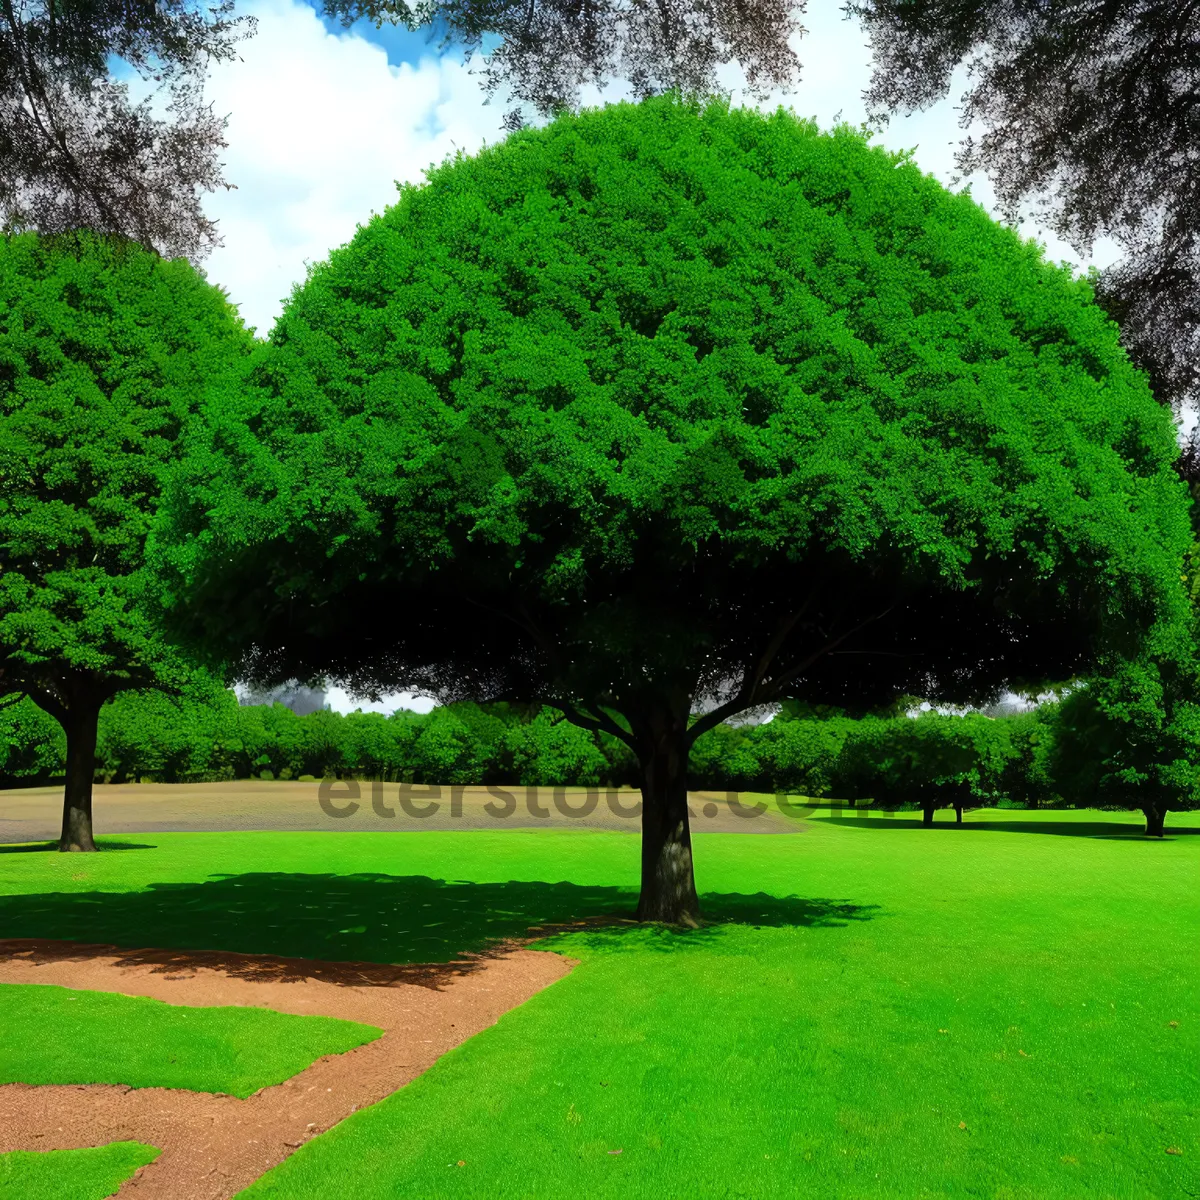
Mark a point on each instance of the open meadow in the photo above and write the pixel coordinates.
(871, 1008)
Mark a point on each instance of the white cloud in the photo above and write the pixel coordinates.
(339, 700)
(319, 128)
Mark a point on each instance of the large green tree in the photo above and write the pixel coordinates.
(105, 349)
(668, 407)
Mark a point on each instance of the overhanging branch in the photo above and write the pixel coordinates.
(765, 695)
(602, 723)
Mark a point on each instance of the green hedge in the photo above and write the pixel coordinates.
(206, 735)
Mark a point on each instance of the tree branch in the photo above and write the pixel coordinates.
(776, 684)
(785, 627)
(749, 687)
(48, 702)
(601, 724)
(746, 699)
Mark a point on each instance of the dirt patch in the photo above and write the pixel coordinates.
(35, 814)
(213, 1146)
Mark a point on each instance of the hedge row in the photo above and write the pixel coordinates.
(207, 735)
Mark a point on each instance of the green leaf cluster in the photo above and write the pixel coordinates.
(105, 351)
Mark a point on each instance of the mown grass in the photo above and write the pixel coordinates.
(61, 1035)
(88, 1174)
(1009, 1009)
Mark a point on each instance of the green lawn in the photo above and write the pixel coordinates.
(60, 1035)
(796, 1048)
(71, 1174)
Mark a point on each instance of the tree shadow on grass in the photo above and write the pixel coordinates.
(1090, 829)
(719, 913)
(363, 928)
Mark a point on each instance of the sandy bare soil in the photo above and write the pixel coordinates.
(213, 1146)
(35, 814)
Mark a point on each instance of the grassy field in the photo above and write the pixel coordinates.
(71, 1174)
(61, 1035)
(1007, 1009)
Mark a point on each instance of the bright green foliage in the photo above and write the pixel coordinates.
(800, 756)
(63, 1035)
(105, 351)
(549, 751)
(1129, 740)
(105, 348)
(88, 1174)
(193, 735)
(31, 741)
(203, 734)
(723, 758)
(932, 760)
(666, 403)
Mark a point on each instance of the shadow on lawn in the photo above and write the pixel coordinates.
(361, 928)
(873, 819)
(718, 913)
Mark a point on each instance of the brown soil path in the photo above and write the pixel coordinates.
(213, 1146)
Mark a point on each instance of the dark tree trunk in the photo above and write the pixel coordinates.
(668, 885)
(958, 814)
(80, 727)
(1155, 820)
(927, 814)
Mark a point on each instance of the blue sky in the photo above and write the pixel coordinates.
(323, 121)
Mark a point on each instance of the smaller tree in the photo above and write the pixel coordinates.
(1129, 738)
(799, 755)
(1025, 779)
(322, 743)
(105, 351)
(934, 760)
(31, 744)
(186, 737)
(550, 751)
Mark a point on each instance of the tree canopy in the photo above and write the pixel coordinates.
(669, 402)
(105, 348)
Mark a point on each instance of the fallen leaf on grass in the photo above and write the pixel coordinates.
(1070, 1158)
(962, 1124)
(461, 1163)
(1174, 1150)
(615, 1151)
(1173, 1024)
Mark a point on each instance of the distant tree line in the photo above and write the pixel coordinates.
(1047, 757)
